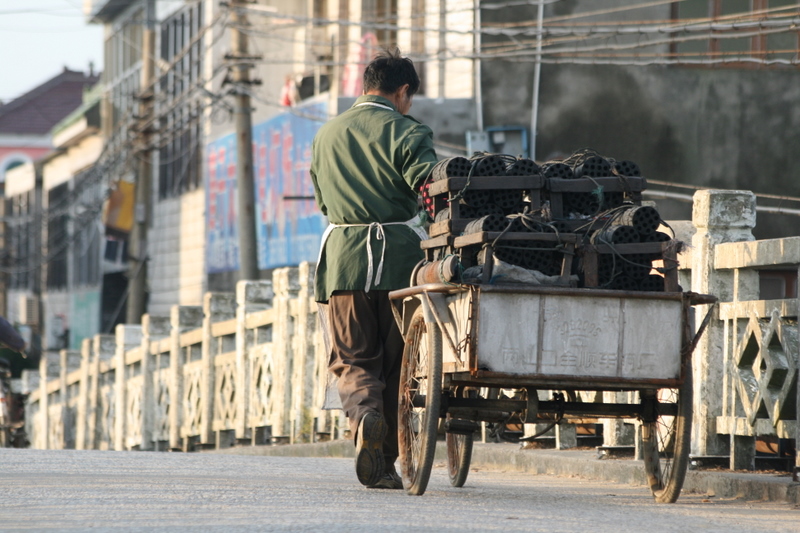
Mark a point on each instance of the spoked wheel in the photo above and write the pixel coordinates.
(419, 402)
(459, 454)
(666, 441)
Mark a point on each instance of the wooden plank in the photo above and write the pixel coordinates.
(671, 270)
(631, 248)
(489, 236)
(437, 242)
(591, 275)
(449, 227)
(613, 184)
(482, 183)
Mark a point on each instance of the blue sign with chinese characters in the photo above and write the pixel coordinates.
(288, 226)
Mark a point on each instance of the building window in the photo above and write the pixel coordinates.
(88, 235)
(22, 256)
(737, 32)
(180, 131)
(320, 12)
(58, 236)
(381, 12)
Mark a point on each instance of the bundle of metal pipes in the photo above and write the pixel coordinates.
(632, 271)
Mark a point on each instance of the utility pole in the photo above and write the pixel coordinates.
(137, 273)
(245, 183)
(537, 75)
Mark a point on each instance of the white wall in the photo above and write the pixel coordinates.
(177, 253)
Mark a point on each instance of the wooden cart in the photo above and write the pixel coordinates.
(464, 340)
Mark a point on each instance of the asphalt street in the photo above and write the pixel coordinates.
(147, 491)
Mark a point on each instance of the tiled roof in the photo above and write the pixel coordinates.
(38, 110)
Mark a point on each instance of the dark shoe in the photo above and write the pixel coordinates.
(390, 480)
(370, 463)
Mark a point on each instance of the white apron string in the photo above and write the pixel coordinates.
(414, 223)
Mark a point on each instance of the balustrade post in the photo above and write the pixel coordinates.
(217, 307)
(48, 368)
(103, 348)
(70, 361)
(720, 216)
(127, 337)
(183, 318)
(251, 296)
(303, 360)
(566, 435)
(30, 383)
(154, 328)
(286, 288)
(82, 422)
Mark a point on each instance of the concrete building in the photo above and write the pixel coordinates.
(59, 283)
(25, 122)
(699, 92)
(307, 59)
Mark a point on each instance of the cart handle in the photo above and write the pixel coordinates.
(689, 349)
(414, 290)
(435, 313)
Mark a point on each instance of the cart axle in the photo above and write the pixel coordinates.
(492, 410)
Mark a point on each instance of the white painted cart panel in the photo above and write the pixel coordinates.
(585, 337)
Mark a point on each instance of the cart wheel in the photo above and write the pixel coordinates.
(665, 444)
(459, 449)
(419, 402)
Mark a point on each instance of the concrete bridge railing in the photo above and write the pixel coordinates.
(250, 367)
(247, 367)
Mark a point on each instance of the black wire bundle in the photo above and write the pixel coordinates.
(486, 223)
(643, 218)
(473, 198)
(612, 200)
(522, 167)
(557, 169)
(453, 167)
(582, 203)
(624, 282)
(594, 166)
(509, 200)
(637, 266)
(548, 263)
(652, 283)
(657, 236)
(615, 235)
(629, 169)
(490, 165)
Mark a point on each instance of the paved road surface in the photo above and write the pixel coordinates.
(119, 491)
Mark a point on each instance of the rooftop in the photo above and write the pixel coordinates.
(38, 110)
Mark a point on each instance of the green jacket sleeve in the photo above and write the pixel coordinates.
(317, 194)
(419, 156)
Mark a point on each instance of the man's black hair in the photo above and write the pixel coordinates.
(389, 71)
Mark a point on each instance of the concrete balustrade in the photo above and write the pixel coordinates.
(251, 367)
(244, 367)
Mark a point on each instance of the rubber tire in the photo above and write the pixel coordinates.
(423, 347)
(665, 476)
(459, 456)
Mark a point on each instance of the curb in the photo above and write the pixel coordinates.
(573, 463)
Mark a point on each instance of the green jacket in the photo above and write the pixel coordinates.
(367, 165)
